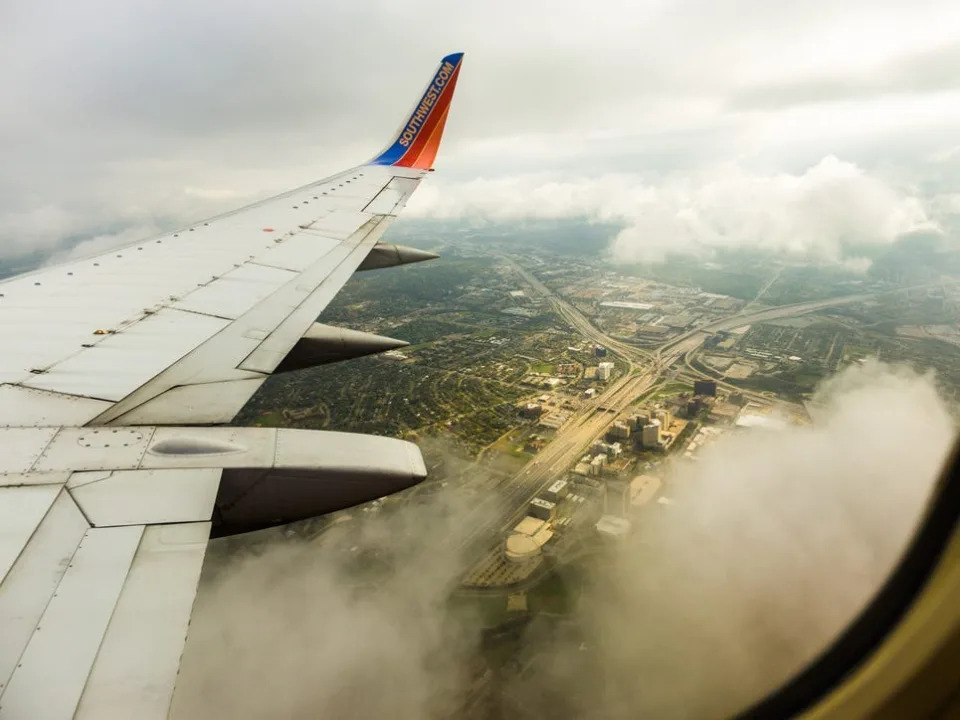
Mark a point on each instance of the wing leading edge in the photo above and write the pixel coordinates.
(110, 487)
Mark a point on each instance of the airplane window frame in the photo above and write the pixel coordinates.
(882, 614)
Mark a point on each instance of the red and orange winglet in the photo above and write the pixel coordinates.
(417, 142)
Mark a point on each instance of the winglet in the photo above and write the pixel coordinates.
(418, 140)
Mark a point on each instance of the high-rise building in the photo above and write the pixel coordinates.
(651, 434)
(543, 509)
(597, 464)
(665, 417)
(705, 387)
(604, 370)
(600, 351)
(557, 491)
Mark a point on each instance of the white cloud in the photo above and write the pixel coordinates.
(820, 213)
(774, 540)
(635, 86)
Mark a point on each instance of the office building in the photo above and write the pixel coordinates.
(651, 434)
(543, 509)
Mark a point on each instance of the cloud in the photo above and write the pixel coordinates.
(821, 213)
(773, 541)
(108, 107)
(352, 625)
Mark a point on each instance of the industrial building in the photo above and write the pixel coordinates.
(554, 420)
(543, 509)
(723, 412)
(653, 332)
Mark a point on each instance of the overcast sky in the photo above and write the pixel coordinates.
(131, 117)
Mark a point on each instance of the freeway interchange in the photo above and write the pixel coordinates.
(645, 367)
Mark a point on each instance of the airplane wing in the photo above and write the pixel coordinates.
(117, 375)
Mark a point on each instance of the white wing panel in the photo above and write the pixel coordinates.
(30, 584)
(21, 510)
(146, 497)
(119, 324)
(53, 670)
(17, 479)
(296, 253)
(92, 448)
(123, 362)
(385, 201)
(208, 403)
(22, 447)
(275, 347)
(25, 407)
(153, 612)
(231, 295)
(340, 225)
(73, 301)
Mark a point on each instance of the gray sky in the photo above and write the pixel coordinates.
(124, 118)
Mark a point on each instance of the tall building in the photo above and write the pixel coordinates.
(597, 464)
(543, 509)
(651, 434)
(620, 430)
(604, 370)
(665, 417)
(556, 491)
(705, 387)
(600, 351)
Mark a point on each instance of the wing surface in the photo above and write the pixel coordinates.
(110, 368)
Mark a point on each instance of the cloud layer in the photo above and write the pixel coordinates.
(823, 213)
(113, 113)
(774, 540)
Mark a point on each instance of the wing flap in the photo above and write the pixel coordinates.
(21, 511)
(51, 673)
(28, 587)
(146, 497)
(153, 612)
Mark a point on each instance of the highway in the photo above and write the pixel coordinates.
(644, 369)
(504, 508)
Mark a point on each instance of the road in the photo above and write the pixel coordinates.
(644, 369)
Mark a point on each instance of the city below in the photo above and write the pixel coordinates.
(555, 395)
